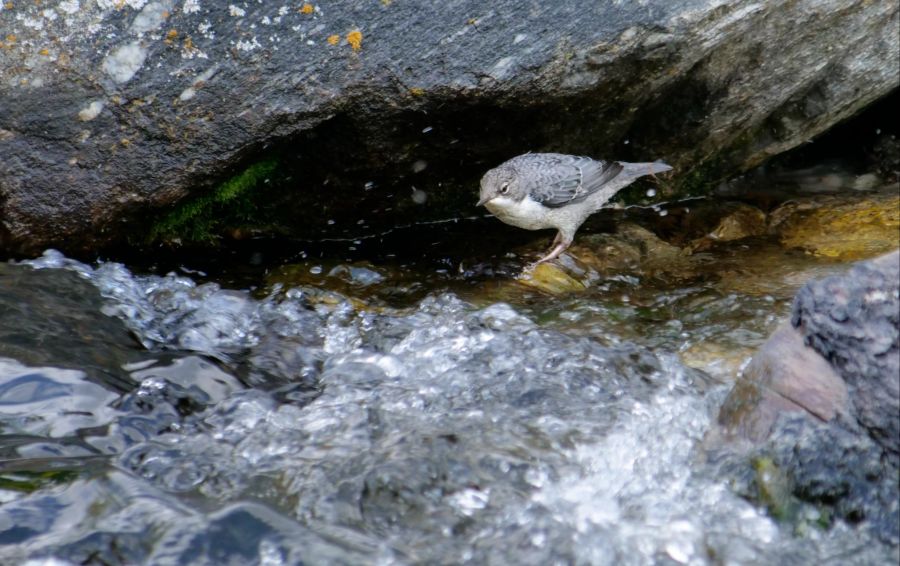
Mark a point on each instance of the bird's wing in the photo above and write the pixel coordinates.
(573, 179)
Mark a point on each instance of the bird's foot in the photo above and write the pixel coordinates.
(554, 253)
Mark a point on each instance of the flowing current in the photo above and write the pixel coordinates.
(156, 420)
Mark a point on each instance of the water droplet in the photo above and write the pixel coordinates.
(316, 269)
(369, 185)
(419, 197)
(331, 222)
(651, 192)
(663, 212)
(419, 166)
(426, 130)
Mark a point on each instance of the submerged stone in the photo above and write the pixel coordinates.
(744, 221)
(632, 249)
(553, 279)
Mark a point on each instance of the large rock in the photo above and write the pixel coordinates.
(838, 360)
(820, 401)
(110, 108)
(853, 321)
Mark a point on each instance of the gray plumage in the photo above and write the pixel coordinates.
(554, 190)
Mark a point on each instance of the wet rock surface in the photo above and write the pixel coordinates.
(111, 110)
(840, 473)
(67, 329)
(840, 227)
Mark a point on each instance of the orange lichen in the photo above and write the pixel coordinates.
(333, 39)
(171, 35)
(188, 44)
(44, 52)
(416, 91)
(307, 8)
(8, 5)
(11, 38)
(354, 38)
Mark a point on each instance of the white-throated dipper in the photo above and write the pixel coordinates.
(554, 190)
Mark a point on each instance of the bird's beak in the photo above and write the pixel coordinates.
(483, 200)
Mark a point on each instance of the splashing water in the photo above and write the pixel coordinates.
(307, 427)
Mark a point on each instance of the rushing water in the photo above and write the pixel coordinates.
(155, 419)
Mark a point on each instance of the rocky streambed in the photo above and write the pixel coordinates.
(628, 404)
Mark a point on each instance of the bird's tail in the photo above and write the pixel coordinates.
(635, 170)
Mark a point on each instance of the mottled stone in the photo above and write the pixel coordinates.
(553, 279)
(744, 221)
(840, 227)
(853, 320)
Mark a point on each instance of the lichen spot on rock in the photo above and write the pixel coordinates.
(91, 111)
(122, 63)
(333, 39)
(307, 8)
(354, 38)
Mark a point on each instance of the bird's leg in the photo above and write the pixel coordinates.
(559, 246)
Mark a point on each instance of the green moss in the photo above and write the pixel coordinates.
(231, 204)
(28, 482)
(774, 489)
(699, 181)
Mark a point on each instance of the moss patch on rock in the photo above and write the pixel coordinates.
(232, 204)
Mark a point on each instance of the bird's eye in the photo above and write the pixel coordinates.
(504, 188)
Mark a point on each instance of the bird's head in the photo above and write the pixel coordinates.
(500, 182)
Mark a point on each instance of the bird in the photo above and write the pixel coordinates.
(554, 190)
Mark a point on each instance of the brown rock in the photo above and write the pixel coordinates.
(784, 375)
(744, 222)
(840, 227)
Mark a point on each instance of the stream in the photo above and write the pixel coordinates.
(352, 407)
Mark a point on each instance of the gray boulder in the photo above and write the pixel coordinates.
(111, 111)
(820, 403)
(853, 321)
